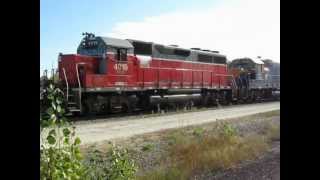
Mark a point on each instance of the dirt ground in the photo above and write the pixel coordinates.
(123, 128)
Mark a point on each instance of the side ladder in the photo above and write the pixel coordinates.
(73, 105)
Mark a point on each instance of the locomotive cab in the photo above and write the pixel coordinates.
(98, 62)
(105, 48)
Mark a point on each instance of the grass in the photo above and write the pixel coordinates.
(198, 131)
(165, 174)
(272, 131)
(147, 147)
(189, 156)
(176, 137)
(269, 114)
(194, 150)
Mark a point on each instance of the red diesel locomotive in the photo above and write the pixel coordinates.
(108, 75)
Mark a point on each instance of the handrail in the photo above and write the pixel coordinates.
(234, 82)
(65, 78)
(79, 84)
(222, 75)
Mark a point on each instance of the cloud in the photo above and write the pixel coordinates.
(238, 28)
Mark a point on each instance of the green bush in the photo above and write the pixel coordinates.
(147, 147)
(198, 131)
(96, 165)
(121, 167)
(117, 165)
(60, 156)
(177, 137)
(229, 130)
(225, 129)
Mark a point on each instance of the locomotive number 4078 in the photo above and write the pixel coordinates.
(119, 67)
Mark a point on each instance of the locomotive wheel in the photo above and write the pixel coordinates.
(126, 106)
(105, 109)
(190, 105)
(91, 106)
(87, 109)
(205, 100)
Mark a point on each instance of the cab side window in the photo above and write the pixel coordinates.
(121, 54)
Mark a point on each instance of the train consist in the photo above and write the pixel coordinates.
(111, 75)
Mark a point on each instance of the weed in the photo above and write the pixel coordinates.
(224, 130)
(60, 156)
(272, 131)
(198, 131)
(147, 147)
(116, 164)
(228, 130)
(177, 136)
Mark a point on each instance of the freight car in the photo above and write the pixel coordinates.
(110, 75)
